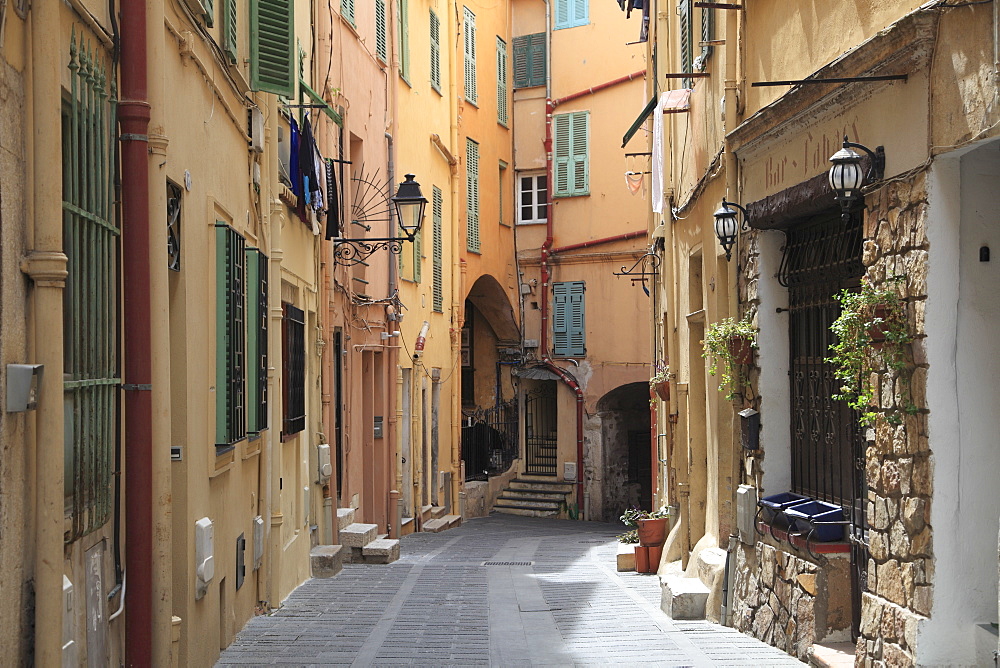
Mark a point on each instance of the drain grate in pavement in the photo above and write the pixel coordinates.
(508, 563)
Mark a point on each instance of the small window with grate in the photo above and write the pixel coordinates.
(230, 333)
(293, 369)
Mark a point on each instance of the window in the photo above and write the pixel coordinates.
(529, 60)
(403, 21)
(707, 32)
(469, 32)
(347, 11)
(271, 60)
(532, 198)
(435, 52)
(472, 195)
(437, 204)
(568, 332)
(689, 63)
(257, 317)
(502, 191)
(502, 116)
(229, 25)
(230, 324)
(571, 13)
(91, 322)
(174, 199)
(572, 165)
(381, 39)
(293, 370)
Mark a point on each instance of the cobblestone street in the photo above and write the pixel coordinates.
(501, 591)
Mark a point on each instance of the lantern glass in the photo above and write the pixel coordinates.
(410, 204)
(725, 223)
(845, 174)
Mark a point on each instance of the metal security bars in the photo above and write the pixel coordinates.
(91, 323)
(230, 327)
(541, 429)
(293, 370)
(489, 440)
(257, 318)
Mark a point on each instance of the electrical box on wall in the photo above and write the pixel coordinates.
(323, 463)
(746, 511)
(569, 470)
(378, 426)
(23, 381)
(204, 559)
(750, 429)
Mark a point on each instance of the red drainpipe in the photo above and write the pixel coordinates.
(133, 119)
(599, 242)
(547, 250)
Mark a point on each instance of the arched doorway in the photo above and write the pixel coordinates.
(627, 466)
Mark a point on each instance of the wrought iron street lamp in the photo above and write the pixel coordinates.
(728, 225)
(846, 178)
(409, 204)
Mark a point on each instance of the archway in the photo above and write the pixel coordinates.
(627, 466)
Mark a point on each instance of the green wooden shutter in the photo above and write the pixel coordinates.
(404, 39)
(438, 282)
(435, 52)
(521, 77)
(229, 26)
(209, 15)
(707, 31)
(418, 254)
(272, 66)
(469, 31)
(529, 60)
(572, 163)
(685, 12)
(571, 13)
(230, 330)
(502, 115)
(472, 195)
(568, 323)
(381, 40)
(347, 10)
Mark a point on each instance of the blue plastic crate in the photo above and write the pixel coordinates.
(803, 514)
(774, 505)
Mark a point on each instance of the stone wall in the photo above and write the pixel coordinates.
(789, 600)
(898, 462)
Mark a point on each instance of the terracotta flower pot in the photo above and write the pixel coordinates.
(654, 558)
(641, 559)
(652, 532)
(877, 331)
(740, 350)
(663, 390)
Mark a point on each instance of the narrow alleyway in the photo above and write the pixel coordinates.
(501, 591)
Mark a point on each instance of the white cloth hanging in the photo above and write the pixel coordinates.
(657, 159)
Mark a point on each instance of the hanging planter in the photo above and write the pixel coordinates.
(659, 384)
(729, 345)
(662, 390)
(879, 325)
(740, 349)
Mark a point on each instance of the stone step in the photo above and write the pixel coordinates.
(437, 512)
(553, 487)
(682, 597)
(626, 556)
(358, 535)
(453, 520)
(381, 551)
(526, 512)
(326, 560)
(408, 526)
(435, 525)
(425, 513)
(507, 499)
(345, 517)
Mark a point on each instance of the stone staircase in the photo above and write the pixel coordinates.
(534, 497)
(362, 543)
(435, 519)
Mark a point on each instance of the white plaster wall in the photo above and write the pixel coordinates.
(963, 317)
(775, 402)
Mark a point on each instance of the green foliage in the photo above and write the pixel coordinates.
(630, 536)
(631, 517)
(859, 357)
(717, 351)
(661, 374)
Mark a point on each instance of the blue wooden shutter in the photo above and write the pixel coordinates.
(571, 13)
(435, 52)
(381, 40)
(568, 322)
(272, 66)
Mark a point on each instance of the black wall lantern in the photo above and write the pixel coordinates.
(409, 204)
(846, 178)
(728, 225)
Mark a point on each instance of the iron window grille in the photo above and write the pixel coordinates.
(230, 326)
(293, 339)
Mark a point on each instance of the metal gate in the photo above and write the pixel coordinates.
(823, 257)
(489, 440)
(540, 425)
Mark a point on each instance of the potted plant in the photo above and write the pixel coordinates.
(872, 333)
(729, 344)
(659, 384)
(650, 530)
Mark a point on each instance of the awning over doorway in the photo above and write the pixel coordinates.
(677, 101)
(535, 373)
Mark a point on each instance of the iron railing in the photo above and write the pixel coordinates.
(489, 440)
(540, 424)
(91, 299)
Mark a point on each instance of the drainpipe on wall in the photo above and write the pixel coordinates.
(458, 268)
(46, 265)
(133, 117)
(547, 251)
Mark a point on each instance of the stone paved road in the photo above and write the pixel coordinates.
(554, 600)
